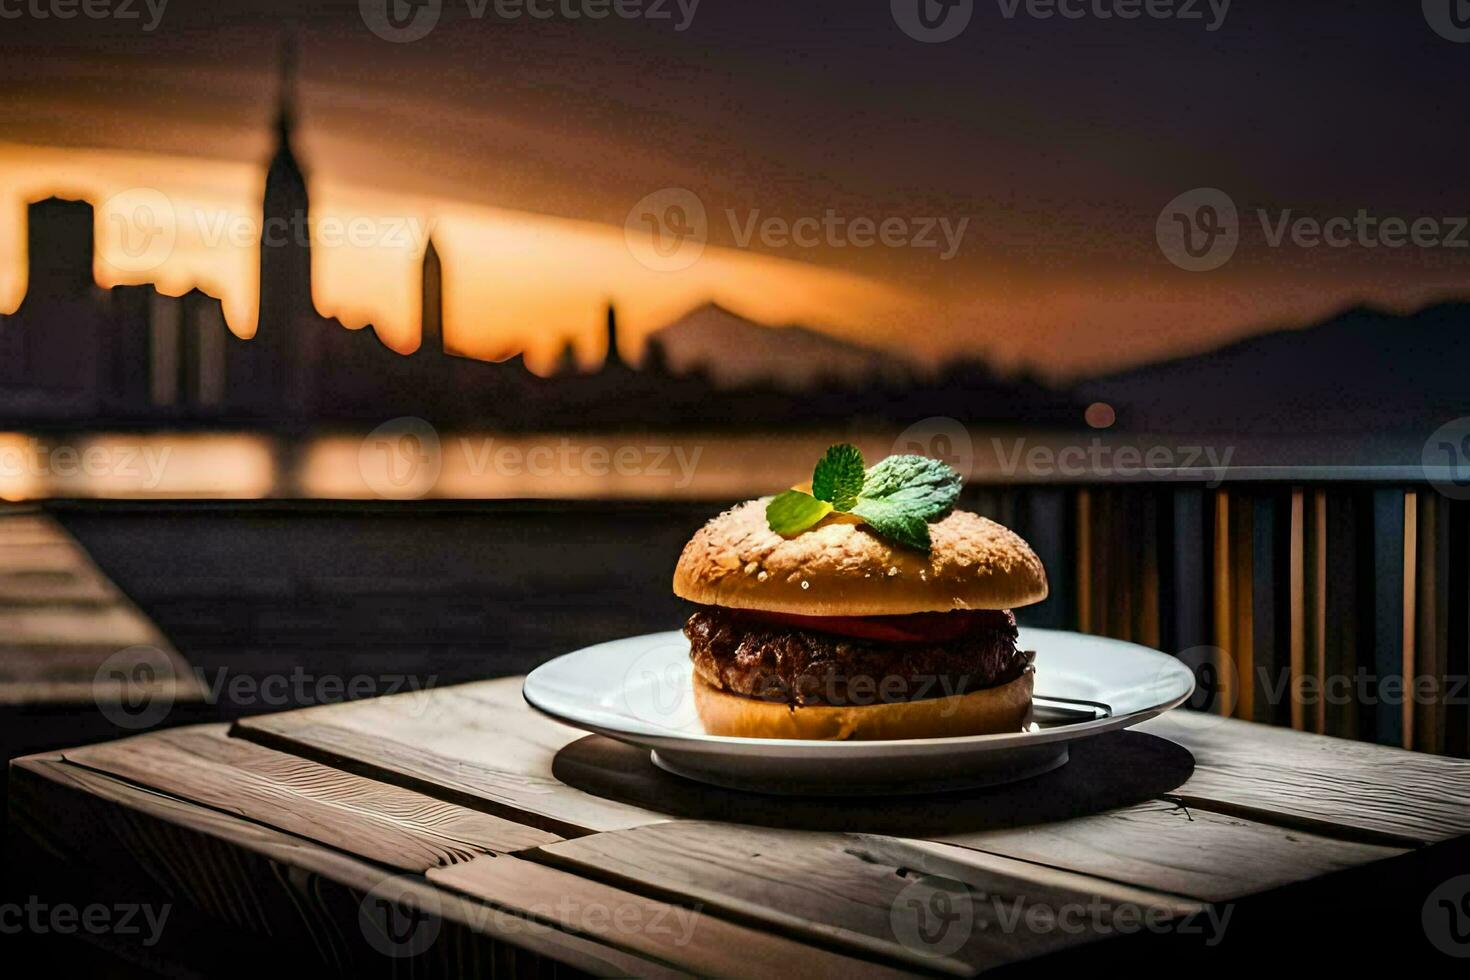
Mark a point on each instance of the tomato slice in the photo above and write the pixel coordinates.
(913, 628)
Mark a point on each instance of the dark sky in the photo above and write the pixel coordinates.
(1060, 140)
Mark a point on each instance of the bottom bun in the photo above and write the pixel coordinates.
(1006, 708)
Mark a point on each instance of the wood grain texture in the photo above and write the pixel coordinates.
(1332, 786)
(297, 901)
(62, 621)
(844, 890)
(479, 745)
(373, 820)
(1170, 848)
(689, 937)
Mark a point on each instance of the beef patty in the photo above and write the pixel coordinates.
(739, 652)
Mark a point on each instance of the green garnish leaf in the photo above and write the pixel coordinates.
(913, 485)
(894, 520)
(839, 476)
(898, 497)
(792, 512)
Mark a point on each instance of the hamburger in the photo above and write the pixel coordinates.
(853, 629)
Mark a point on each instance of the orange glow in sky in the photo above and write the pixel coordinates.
(513, 280)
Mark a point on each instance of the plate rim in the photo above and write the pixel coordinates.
(705, 743)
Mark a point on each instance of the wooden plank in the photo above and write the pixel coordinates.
(1335, 787)
(1223, 595)
(1432, 634)
(849, 891)
(1167, 847)
(1410, 617)
(373, 820)
(688, 937)
(288, 896)
(1297, 608)
(1318, 657)
(1188, 573)
(1084, 561)
(479, 745)
(69, 636)
(1385, 712)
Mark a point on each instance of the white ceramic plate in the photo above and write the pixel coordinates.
(637, 690)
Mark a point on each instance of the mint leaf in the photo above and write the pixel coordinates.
(896, 521)
(839, 477)
(793, 512)
(902, 494)
(917, 485)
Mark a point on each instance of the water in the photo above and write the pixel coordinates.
(408, 460)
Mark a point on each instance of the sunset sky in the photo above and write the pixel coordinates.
(523, 146)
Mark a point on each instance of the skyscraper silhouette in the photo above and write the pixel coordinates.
(614, 357)
(59, 240)
(285, 246)
(280, 362)
(432, 302)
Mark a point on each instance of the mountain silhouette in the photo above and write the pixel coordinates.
(733, 351)
(1362, 370)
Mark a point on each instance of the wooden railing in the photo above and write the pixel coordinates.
(1336, 606)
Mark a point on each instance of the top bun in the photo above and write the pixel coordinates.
(841, 567)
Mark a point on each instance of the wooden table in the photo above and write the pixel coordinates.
(455, 831)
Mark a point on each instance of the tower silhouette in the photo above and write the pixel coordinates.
(432, 302)
(285, 242)
(59, 243)
(614, 357)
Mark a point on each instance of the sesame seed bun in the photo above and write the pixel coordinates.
(1006, 708)
(841, 567)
